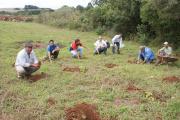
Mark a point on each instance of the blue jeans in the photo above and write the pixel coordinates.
(76, 52)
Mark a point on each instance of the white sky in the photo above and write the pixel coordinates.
(42, 3)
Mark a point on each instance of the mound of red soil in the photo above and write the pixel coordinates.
(51, 101)
(37, 77)
(110, 65)
(74, 69)
(171, 79)
(82, 111)
(132, 88)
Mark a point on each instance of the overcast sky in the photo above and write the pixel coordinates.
(42, 3)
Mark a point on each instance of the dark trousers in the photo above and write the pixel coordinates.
(55, 54)
(30, 70)
(116, 46)
(101, 50)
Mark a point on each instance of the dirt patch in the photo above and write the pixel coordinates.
(82, 111)
(71, 69)
(37, 77)
(111, 81)
(36, 44)
(134, 61)
(128, 102)
(51, 101)
(160, 96)
(39, 45)
(15, 18)
(171, 79)
(111, 65)
(132, 88)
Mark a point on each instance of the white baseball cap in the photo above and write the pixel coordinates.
(165, 43)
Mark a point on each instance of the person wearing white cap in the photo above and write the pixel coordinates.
(164, 53)
(100, 46)
(166, 50)
(26, 61)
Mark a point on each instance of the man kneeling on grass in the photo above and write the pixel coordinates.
(76, 49)
(100, 46)
(52, 50)
(26, 61)
(146, 55)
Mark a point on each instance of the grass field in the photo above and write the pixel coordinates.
(108, 88)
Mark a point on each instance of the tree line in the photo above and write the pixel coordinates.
(147, 21)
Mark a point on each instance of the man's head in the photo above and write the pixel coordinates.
(51, 42)
(142, 48)
(165, 44)
(28, 46)
(77, 41)
(100, 38)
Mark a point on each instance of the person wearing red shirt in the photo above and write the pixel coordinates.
(76, 49)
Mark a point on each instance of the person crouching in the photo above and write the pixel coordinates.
(146, 55)
(26, 61)
(100, 46)
(52, 50)
(76, 49)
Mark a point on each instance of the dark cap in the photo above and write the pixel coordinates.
(28, 44)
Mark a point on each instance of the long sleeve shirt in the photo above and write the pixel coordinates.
(25, 60)
(117, 38)
(147, 54)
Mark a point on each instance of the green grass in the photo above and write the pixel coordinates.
(99, 85)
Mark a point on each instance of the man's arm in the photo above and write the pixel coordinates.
(56, 49)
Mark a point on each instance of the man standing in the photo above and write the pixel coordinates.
(146, 55)
(26, 61)
(52, 50)
(100, 46)
(117, 43)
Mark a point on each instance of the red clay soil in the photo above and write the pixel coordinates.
(37, 77)
(82, 111)
(171, 79)
(132, 88)
(74, 69)
(15, 18)
(110, 65)
(51, 102)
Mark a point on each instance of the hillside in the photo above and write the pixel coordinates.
(126, 91)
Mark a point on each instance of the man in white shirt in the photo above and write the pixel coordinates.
(117, 43)
(164, 53)
(166, 50)
(100, 46)
(26, 61)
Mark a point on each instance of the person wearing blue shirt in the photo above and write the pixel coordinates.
(52, 50)
(146, 55)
